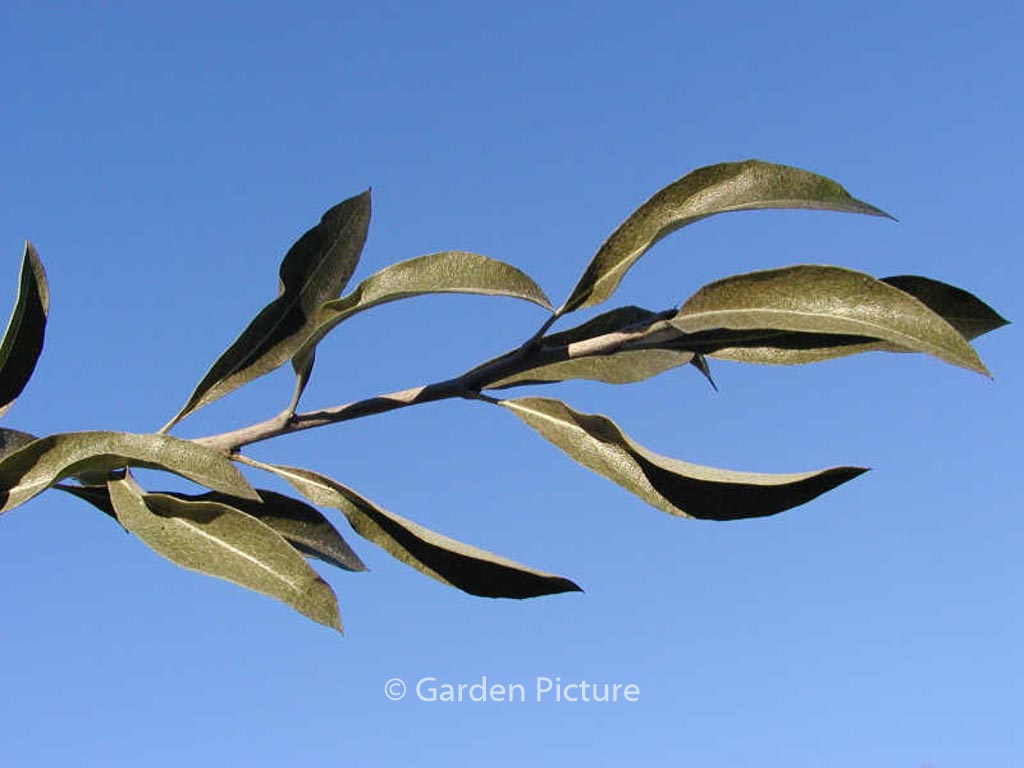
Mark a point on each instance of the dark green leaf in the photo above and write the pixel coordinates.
(468, 568)
(218, 540)
(445, 272)
(746, 185)
(964, 311)
(301, 525)
(23, 339)
(29, 471)
(673, 486)
(315, 269)
(825, 300)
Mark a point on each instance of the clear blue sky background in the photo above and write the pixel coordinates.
(164, 156)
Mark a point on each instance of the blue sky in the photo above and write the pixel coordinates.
(162, 157)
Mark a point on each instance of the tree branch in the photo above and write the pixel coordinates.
(527, 357)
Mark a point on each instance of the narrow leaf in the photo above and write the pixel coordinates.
(970, 316)
(747, 185)
(32, 469)
(302, 526)
(673, 486)
(451, 562)
(825, 300)
(23, 339)
(444, 272)
(218, 540)
(622, 367)
(315, 269)
(12, 440)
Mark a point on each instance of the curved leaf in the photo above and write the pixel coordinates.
(622, 367)
(444, 272)
(746, 185)
(970, 316)
(314, 270)
(218, 540)
(12, 440)
(673, 486)
(299, 524)
(451, 562)
(23, 339)
(32, 469)
(825, 300)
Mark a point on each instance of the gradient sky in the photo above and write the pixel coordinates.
(163, 157)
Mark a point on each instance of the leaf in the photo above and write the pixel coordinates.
(825, 300)
(314, 270)
(29, 471)
(23, 339)
(444, 272)
(964, 311)
(218, 540)
(12, 440)
(623, 367)
(747, 185)
(451, 562)
(970, 316)
(673, 486)
(302, 526)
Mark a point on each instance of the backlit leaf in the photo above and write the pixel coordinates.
(746, 185)
(23, 339)
(451, 562)
(315, 269)
(36, 466)
(218, 540)
(825, 300)
(673, 486)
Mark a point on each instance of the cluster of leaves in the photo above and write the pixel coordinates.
(260, 539)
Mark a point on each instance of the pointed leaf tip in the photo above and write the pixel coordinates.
(715, 189)
(673, 486)
(451, 562)
(26, 330)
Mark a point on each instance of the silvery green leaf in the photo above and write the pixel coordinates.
(815, 299)
(37, 465)
(218, 540)
(315, 269)
(444, 272)
(747, 185)
(673, 486)
(451, 562)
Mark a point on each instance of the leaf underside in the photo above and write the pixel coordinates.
(217, 540)
(673, 486)
(451, 562)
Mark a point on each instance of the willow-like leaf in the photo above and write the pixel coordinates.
(302, 526)
(444, 272)
(12, 440)
(673, 486)
(451, 562)
(825, 300)
(747, 185)
(219, 540)
(23, 339)
(623, 367)
(970, 316)
(315, 269)
(32, 469)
